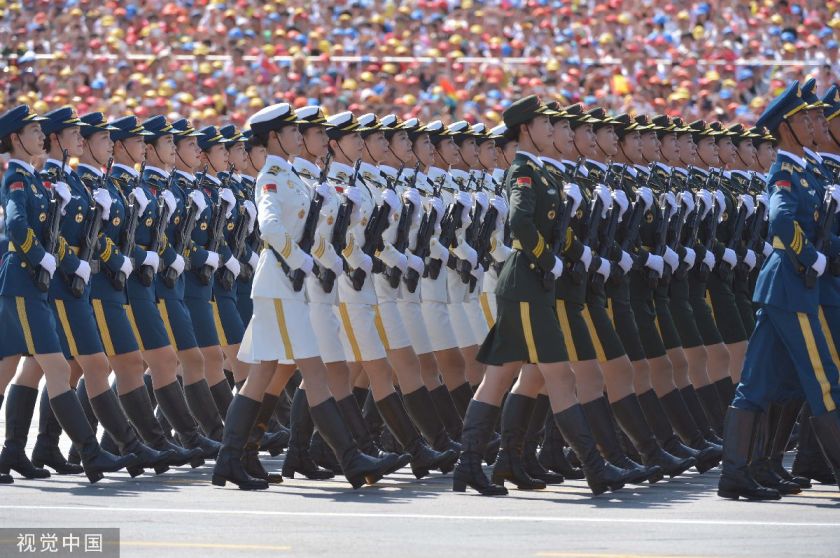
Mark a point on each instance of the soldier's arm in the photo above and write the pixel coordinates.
(784, 228)
(522, 225)
(272, 229)
(17, 225)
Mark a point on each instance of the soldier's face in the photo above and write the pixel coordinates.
(585, 140)
(765, 155)
(607, 140)
(509, 152)
(447, 151)
(165, 149)
(257, 157)
(237, 156)
(424, 150)
(316, 141)
(487, 154)
(291, 141)
(803, 126)
(686, 149)
(564, 137)
(651, 147)
(821, 135)
(632, 146)
(100, 146)
(217, 157)
(747, 153)
(31, 138)
(726, 151)
(707, 151)
(189, 152)
(834, 129)
(352, 145)
(70, 139)
(377, 146)
(542, 133)
(134, 147)
(401, 146)
(468, 150)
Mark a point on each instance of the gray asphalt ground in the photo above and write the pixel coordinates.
(181, 514)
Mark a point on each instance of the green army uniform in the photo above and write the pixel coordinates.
(527, 328)
(741, 275)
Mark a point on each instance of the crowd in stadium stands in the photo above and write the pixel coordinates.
(717, 59)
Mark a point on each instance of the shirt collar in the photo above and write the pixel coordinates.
(814, 155)
(337, 168)
(833, 156)
(664, 167)
(571, 165)
(247, 177)
(552, 161)
(598, 164)
(531, 156)
(633, 171)
(188, 175)
(306, 167)
(795, 158)
(94, 170)
(498, 174)
(277, 161)
(67, 168)
(435, 173)
(645, 170)
(130, 170)
(156, 170)
(391, 171)
(214, 179)
(26, 166)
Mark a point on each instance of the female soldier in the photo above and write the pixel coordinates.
(24, 303)
(527, 328)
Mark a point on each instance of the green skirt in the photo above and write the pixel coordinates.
(523, 332)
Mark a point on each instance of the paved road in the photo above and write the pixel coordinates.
(182, 514)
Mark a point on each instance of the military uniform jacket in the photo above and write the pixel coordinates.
(209, 188)
(424, 188)
(820, 171)
(534, 206)
(155, 181)
(238, 212)
(26, 201)
(794, 210)
(372, 178)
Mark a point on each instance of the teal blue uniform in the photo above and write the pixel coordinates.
(244, 303)
(788, 354)
(27, 325)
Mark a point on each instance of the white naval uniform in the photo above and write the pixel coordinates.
(280, 328)
(322, 305)
(459, 292)
(499, 252)
(362, 331)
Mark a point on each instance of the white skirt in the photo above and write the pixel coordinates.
(438, 325)
(362, 332)
(478, 322)
(461, 324)
(393, 327)
(280, 330)
(327, 331)
(415, 325)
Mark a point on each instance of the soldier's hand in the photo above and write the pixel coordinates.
(227, 196)
(365, 263)
(337, 265)
(48, 263)
(212, 259)
(152, 260)
(251, 210)
(354, 194)
(307, 263)
(646, 195)
(501, 208)
(671, 258)
(704, 197)
(83, 271)
(127, 267)
(141, 199)
(573, 191)
(605, 195)
(586, 257)
(687, 200)
(178, 264)
(412, 196)
(481, 200)
(690, 257)
(415, 263)
(656, 263)
(62, 190)
(604, 268)
(103, 200)
(392, 200)
(626, 262)
(232, 264)
(834, 192)
(438, 251)
(750, 259)
(819, 265)
(767, 249)
(748, 202)
(324, 190)
(557, 270)
(730, 257)
(709, 259)
(763, 199)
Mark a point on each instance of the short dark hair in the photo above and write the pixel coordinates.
(260, 139)
(6, 144)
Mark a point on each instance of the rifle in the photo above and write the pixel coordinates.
(694, 228)
(485, 232)
(450, 223)
(754, 239)
(239, 235)
(560, 226)
(146, 273)
(308, 236)
(373, 238)
(403, 225)
(217, 230)
(339, 235)
(471, 238)
(578, 270)
(711, 229)
(90, 240)
(53, 228)
(506, 233)
(606, 243)
(183, 234)
(662, 237)
(824, 225)
(127, 238)
(424, 237)
(724, 270)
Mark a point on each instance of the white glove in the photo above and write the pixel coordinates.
(748, 202)
(730, 257)
(401, 262)
(704, 197)
(671, 200)
(337, 266)
(227, 196)
(140, 199)
(466, 252)
(464, 199)
(324, 190)
(437, 205)
(605, 195)
(763, 199)
(365, 264)
(620, 198)
(48, 263)
(604, 269)
(354, 194)
(251, 209)
(557, 270)
(749, 259)
(720, 200)
(690, 257)
(655, 263)
(586, 257)
(307, 263)
(179, 264)
(501, 206)
(255, 259)
(671, 258)
(152, 260)
(62, 190)
(233, 266)
(212, 259)
(767, 249)
(437, 251)
(481, 199)
(478, 273)
(573, 191)
(834, 192)
(83, 270)
(103, 199)
(391, 199)
(413, 196)
(626, 262)
(127, 267)
(172, 204)
(646, 194)
(819, 265)
(687, 200)
(709, 259)
(415, 263)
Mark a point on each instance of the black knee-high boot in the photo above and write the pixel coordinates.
(684, 425)
(301, 426)
(827, 430)
(222, 396)
(173, 403)
(445, 408)
(533, 434)
(139, 410)
(461, 397)
(787, 419)
(20, 407)
(110, 414)
(250, 457)
(552, 453)
(422, 411)
(241, 416)
(715, 410)
(726, 391)
(81, 392)
(760, 458)
(735, 479)
(809, 461)
(5, 478)
(159, 415)
(203, 407)
(354, 420)
(516, 416)
(698, 413)
(95, 460)
(478, 427)
(46, 452)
